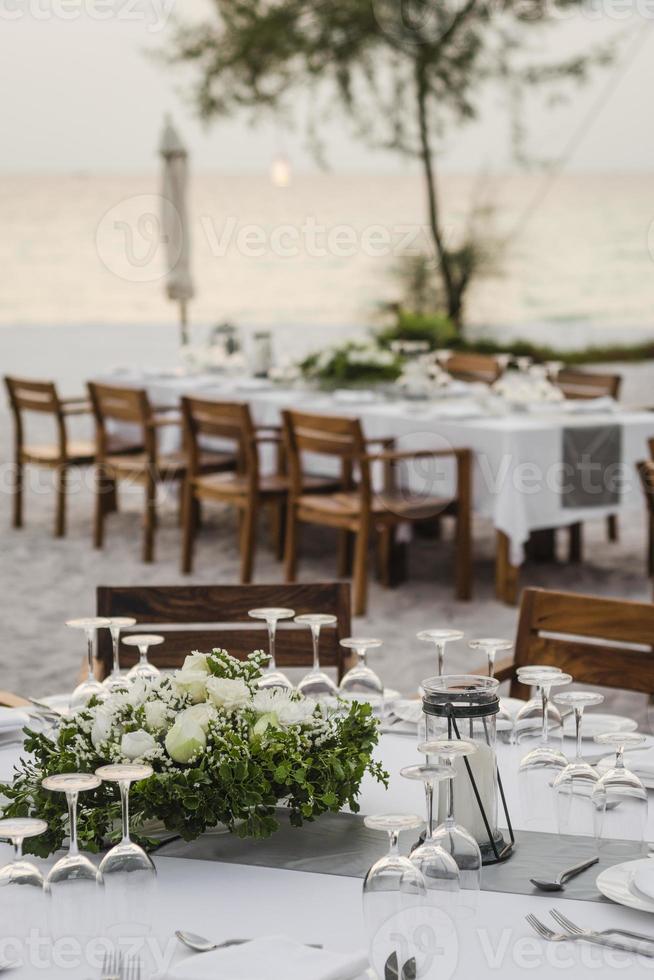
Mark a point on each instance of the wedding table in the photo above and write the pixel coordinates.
(521, 459)
(223, 900)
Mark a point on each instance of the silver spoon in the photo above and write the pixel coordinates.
(557, 884)
(201, 945)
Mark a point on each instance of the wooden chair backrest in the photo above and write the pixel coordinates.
(326, 435)
(588, 384)
(121, 405)
(473, 367)
(25, 396)
(646, 473)
(230, 422)
(608, 642)
(201, 617)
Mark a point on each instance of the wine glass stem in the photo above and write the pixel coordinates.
(619, 757)
(143, 655)
(450, 799)
(393, 837)
(315, 637)
(124, 800)
(71, 800)
(363, 660)
(272, 628)
(578, 716)
(429, 796)
(18, 848)
(546, 721)
(115, 640)
(491, 663)
(89, 652)
(440, 653)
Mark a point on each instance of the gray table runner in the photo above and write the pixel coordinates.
(340, 844)
(592, 458)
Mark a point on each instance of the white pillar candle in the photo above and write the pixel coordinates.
(466, 808)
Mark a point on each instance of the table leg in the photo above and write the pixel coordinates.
(542, 545)
(506, 575)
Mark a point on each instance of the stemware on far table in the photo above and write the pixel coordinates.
(74, 882)
(272, 676)
(439, 638)
(129, 873)
(22, 895)
(491, 646)
(528, 722)
(361, 679)
(143, 669)
(450, 835)
(574, 785)
(316, 683)
(90, 687)
(619, 798)
(438, 867)
(116, 680)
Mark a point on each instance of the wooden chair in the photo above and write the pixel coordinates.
(204, 617)
(592, 638)
(646, 473)
(8, 700)
(473, 367)
(140, 463)
(356, 510)
(41, 397)
(245, 488)
(578, 384)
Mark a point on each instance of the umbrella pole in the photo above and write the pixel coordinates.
(183, 323)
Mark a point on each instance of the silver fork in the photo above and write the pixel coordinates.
(111, 965)
(571, 927)
(560, 937)
(131, 969)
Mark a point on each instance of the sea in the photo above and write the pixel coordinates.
(573, 256)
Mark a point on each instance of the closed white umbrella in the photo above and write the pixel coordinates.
(174, 220)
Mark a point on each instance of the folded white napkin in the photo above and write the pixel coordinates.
(13, 720)
(270, 958)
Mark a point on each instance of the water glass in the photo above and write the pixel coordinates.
(574, 785)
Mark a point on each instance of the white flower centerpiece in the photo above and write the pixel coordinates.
(222, 753)
(352, 363)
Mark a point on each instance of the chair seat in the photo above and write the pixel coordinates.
(169, 465)
(273, 484)
(386, 507)
(77, 452)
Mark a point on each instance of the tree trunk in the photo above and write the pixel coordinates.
(453, 296)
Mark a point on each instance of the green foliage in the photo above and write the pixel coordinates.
(435, 329)
(352, 363)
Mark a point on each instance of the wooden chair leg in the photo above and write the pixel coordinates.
(360, 577)
(385, 549)
(111, 496)
(575, 543)
(463, 537)
(345, 554)
(60, 513)
(17, 490)
(150, 519)
(290, 546)
(188, 527)
(100, 508)
(612, 527)
(277, 527)
(650, 547)
(248, 526)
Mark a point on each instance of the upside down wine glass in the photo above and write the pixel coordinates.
(90, 687)
(22, 895)
(574, 785)
(620, 799)
(116, 679)
(392, 882)
(491, 647)
(129, 873)
(74, 882)
(528, 722)
(316, 683)
(272, 677)
(438, 868)
(440, 638)
(541, 765)
(143, 669)
(360, 679)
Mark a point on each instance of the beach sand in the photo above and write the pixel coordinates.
(44, 581)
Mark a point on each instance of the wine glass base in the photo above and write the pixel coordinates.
(84, 692)
(317, 684)
(274, 678)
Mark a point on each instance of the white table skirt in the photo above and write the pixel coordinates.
(516, 475)
(225, 901)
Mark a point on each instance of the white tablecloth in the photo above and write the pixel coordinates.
(516, 478)
(226, 901)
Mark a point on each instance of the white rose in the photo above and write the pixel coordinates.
(185, 740)
(226, 693)
(136, 745)
(102, 725)
(156, 715)
(137, 692)
(196, 661)
(193, 683)
(295, 712)
(200, 714)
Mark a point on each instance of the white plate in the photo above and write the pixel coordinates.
(643, 880)
(617, 883)
(595, 723)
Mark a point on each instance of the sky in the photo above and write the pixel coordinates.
(83, 94)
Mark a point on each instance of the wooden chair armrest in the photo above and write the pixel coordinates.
(397, 455)
(8, 700)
